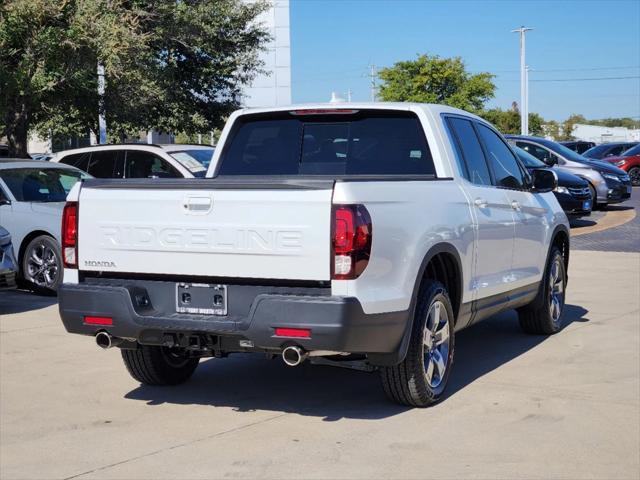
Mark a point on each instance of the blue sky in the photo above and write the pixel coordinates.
(333, 41)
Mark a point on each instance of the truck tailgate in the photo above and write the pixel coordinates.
(277, 229)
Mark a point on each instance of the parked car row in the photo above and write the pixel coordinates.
(607, 183)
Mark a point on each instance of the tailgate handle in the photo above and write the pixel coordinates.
(197, 204)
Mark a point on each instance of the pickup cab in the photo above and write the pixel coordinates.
(370, 232)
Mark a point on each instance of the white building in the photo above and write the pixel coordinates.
(274, 88)
(599, 134)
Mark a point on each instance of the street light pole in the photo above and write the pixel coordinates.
(523, 89)
(102, 121)
(526, 99)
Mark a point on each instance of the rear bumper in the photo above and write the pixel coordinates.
(336, 323)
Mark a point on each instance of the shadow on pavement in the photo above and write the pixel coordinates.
(581, 222)
(249, 382)
(491, 343)
(20, 301)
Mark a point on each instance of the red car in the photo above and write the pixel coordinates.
(629, 161)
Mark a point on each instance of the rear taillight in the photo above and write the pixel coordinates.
(351, 241)
(70, 235)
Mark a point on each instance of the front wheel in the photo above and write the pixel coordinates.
(153, 365)
(421, 378)
(544, 317)
(42, 265)
(594, 197)
(634, 173)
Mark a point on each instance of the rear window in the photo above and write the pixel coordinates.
(359, 143)
(40, 184)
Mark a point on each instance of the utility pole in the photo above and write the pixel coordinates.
(373, 75)
(102, 121)
(349, 95)
(526, 99)
(524, 114)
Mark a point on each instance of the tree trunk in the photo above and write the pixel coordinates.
(17, 130)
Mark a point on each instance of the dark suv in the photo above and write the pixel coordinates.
(572, 192)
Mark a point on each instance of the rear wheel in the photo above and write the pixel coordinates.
(421, 378)
(543, 316)
(42, 265)
(153, 365)
(634, 173)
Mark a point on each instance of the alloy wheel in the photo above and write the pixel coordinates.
(436, 344)
(556, 290)
(42, 265)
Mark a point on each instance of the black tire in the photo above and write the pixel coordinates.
(158, 365)
(540, 317)
(407, 383)
(634, 173)
(594, 197)
(41, 266)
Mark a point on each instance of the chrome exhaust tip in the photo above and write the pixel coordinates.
(104, 340)
(294, 356)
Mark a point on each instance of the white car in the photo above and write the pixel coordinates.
(138, 160)
(371, 231)
(32, 196)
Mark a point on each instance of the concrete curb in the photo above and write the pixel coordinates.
(613, 218)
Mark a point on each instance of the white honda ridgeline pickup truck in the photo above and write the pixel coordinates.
(369, 232)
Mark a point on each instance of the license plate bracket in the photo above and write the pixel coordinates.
(201, 299)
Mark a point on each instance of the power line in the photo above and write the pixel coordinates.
(586, 69)
(592, 79)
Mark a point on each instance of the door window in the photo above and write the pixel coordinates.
(104, 164)
(503, 162)
(469, 151)
(142, 164)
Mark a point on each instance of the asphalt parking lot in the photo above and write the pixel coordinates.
(518, 406)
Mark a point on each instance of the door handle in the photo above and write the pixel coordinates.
(197, 205)
(515, 205)
(481, 203)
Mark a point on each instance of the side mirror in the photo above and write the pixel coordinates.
(5, 201)
(544, 181)
(551, 160)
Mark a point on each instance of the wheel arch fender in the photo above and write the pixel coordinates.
(560, 237)
(456, 300)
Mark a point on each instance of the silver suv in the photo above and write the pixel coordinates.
(608, 184)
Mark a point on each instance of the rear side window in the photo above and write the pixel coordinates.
(469, 151)
(78, 160)
(105, 164)
(358, 143)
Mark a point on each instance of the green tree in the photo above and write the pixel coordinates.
(536, 123)
(507, 121)
(432, 79)
(169, 65)
(552, 129)
(567, 126)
